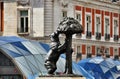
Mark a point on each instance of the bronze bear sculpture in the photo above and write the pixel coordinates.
(68, 26)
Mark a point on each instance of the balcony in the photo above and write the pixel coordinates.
(116, 37)
(98, 54)
(79, 35)
(88, 34)
(107, 56)
(107, 36)
(116, 57)
(89, 55)
(98, 35)
(79, 55)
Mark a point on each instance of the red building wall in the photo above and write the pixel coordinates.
(93, 21)
(103, 14)
(102, 23)
(111, 51)
(83, 49)
(93, 50)
(83, 19)
(2, 16)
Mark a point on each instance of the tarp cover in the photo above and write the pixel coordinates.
(30, 55)
(101, 68)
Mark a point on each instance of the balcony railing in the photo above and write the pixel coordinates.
(79, 35)
(98, 54)
(116, 57)
(107, 36)
(98, 35)
(89, 55)
(79, 55)
(107, 56)
(116, 37)
(88, 34)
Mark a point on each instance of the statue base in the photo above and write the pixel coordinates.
(62, 76)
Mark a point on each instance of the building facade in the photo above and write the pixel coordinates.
(20, 18)
(39, 18)
(101, 23)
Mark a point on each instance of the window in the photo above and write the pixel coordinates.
(98, 27)
(107, 51)
(88, 49)
(115, 27)
(107, 31)
(98, 50)
(78, 17)
(79, 54)
(64, 14)
(115, 52)
(78, 49)
(98, 24)
(89, 52)
(88, 23)
(23, 28)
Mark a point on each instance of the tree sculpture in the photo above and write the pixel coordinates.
(68, 26)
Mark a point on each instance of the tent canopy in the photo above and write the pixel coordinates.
(28, 55)
(101, 68)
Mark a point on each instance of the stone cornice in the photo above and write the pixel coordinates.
(101, 5)
(96, 42)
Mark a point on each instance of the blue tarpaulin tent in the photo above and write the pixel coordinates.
(101, 68)
(29, 56)
(77, 69)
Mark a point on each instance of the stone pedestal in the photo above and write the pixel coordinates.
(63, 76)
(60, 78)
